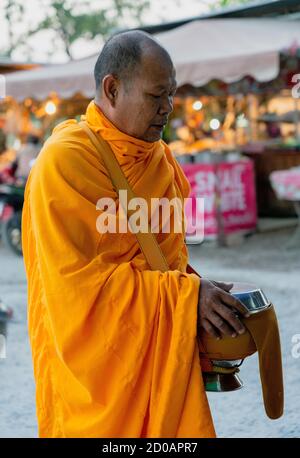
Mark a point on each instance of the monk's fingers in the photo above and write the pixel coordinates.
(223, 285)
(233, 302)
(209, 328)
(222, 325)
(232, 320)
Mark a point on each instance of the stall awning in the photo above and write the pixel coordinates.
(8, 66)
(224, 49)
(64, 79)
(229, 49)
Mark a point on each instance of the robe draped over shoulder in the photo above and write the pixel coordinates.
(114, 344)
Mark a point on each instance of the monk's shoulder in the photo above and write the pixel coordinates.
(68, 149)
(68, 159)
(68, 142)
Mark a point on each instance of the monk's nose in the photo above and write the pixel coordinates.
(166, 107)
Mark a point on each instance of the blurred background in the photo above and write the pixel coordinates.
(235, 130)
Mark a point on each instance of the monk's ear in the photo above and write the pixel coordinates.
(110, 86)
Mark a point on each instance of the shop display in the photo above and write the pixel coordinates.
(226, 187)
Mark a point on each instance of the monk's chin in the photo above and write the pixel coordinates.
(153, 135)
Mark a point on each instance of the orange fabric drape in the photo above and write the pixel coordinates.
(113, 343)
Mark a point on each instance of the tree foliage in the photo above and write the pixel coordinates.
(13, 12)
(69, 20)
(225, 3)
(72, 19)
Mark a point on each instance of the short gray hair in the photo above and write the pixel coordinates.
(121, 55)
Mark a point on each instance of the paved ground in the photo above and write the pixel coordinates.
(262, 259)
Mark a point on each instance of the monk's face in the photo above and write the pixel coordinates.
(142, 105)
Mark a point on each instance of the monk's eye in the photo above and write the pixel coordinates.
(155, 96)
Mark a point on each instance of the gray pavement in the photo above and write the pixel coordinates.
(264, 260)
(261, 259)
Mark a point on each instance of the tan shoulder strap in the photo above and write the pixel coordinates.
(147, 240)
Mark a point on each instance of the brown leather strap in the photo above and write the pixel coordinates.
(147, 240)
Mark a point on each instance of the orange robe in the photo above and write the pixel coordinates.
(114, 344)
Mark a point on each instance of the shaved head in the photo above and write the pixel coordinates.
(135, 84)
(122, 56)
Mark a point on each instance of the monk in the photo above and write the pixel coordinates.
(114, 343)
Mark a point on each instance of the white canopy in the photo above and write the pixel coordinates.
(226, 49)
(64, 79)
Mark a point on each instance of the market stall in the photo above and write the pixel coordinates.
(228, 189)
(246, 72)
(286, 185)
(232, 74)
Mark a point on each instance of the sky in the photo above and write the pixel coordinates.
(42, 43)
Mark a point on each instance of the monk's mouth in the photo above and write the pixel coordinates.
(158, 126)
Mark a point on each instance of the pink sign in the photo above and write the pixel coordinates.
(237, 196)
(286, 183)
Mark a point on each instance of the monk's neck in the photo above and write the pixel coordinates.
(101, 106)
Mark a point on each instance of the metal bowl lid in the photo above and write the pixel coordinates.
(251, 296)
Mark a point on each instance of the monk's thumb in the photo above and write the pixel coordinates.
(223, 285)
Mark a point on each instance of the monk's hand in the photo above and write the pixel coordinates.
(218, 309)
(220, 284)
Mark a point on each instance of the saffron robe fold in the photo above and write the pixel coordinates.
(113, 343)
